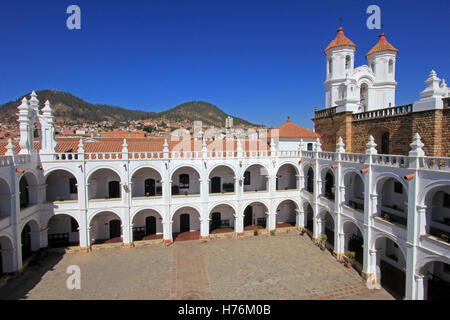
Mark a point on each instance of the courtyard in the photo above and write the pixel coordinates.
(284, 266)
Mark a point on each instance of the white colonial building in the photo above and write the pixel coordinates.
(392, 211)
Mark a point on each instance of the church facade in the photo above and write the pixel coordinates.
(360, 102)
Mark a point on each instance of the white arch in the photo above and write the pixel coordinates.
(52, 170)
(255, 164)
(287, 162)
(133, 215)
(249, 202)
(144, 166)
(421, 263)
(211, 210)
(94, 170)
(181, 206)
(380, 234)
(385, 176)
(99, 211)
(424, 192)
(280, 201)
(187, 166)
(213, 205)
(221, 165)
(50, 216)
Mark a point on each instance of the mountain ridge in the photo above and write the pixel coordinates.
(70, 109)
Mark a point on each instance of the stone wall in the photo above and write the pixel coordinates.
(432, 126)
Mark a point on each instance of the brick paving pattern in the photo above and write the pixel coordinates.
(285, 266)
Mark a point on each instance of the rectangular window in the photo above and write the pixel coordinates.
(73, 185)
(246, 178)
(398, 188)
(446, 200)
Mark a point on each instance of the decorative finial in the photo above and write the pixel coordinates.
(10, 148)
(340, 22)
(318, 145)
(416, 147)
(340, 145)
(371, 146)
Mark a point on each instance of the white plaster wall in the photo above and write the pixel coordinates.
(62, 224)
(194, 183)
(58, 186)
(226, 176)
(226, 213)
(194, 221)
(98, 183)
(287, 212)
(139, 219)
(257, 179)
(5, 199)
(100, 225)
(287, 177)
(138, 181)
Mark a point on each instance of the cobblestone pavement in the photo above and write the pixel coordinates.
(285, 266)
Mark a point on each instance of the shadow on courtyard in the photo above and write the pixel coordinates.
(18, 286)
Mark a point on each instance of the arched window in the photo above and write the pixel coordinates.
(310, 147)
(372, 66)
(184, 181)
(363, 96)
(347, 62)
(330, 67)
(391, 66)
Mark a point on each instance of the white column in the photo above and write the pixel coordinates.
(300, 218)
(204, 227)
(420, 286)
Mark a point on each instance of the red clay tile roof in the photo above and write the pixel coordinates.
(340, 41)
(382, 45)
(142, 145)
(292, 130)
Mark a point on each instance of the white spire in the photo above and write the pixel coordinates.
(125, 146)
(81, 146)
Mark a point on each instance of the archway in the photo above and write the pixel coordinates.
(147, 225)
(5, 199)
(185, 181)
(27, 190)
(328, 227)
(354, 241)
(309, 179)
(255, 178)
(63, 231)
(364, 97)
(104, 184)
(105, 227)
(436, 284)
(61, 186)
(309, 217)
(186, 224)
(328, 189)
(437, 219)
(392, 198)
(286, 214)
(287, 177)
(255, 216)
(392, 265)
(146, 182)
(354, 191)
(6, 255)
(222, 219)
(29, 237)
(221, 180)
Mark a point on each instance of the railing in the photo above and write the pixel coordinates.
(387, 112)
(399, 161)
(391, 160)
(325, 112)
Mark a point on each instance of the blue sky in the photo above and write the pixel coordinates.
(259, 60)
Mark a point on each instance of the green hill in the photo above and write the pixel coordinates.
(70, 109)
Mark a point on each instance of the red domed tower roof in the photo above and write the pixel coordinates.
(340, 41)
(382, 45)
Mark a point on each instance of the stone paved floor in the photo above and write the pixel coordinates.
(285, 266)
